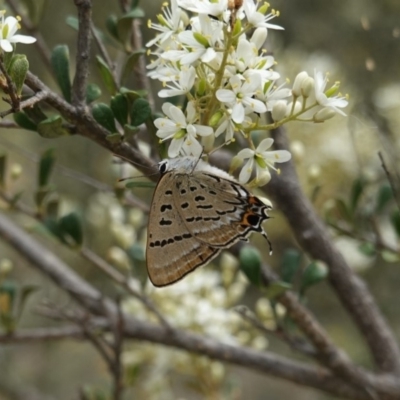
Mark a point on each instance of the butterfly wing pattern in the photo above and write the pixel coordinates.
(196, 212)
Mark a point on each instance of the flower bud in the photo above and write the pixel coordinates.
(16, 171)
(215, 118)
(324, 114)
(208, 143)
(279, 110)
(297, 150)
(307, 87)
(296, 89)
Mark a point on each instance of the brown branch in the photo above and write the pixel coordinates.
(91, 299)
(83, 53)
(88, 127)
(314, 239)
(45, 334)
(390, 179)
(9, 125)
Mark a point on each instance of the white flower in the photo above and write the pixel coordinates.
(334, 102)
(240, 97)
(215, 8)
(186, 81)
(274, 94)
(257, 19)
(262, 160)
(170, 23)
(182, 130)
(8, 27)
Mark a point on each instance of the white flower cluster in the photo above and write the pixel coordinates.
(217, 60)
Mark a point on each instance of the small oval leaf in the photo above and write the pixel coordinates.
(250, 264)
(60, 64)
(52, 128)
(71, 229)
(93, 92)
(106, 75)
(24, 121)
(140, 112)
(46, 165)
(119, 106)
(314, 273)
(103, 114)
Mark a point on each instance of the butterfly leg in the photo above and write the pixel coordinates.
(269, 242)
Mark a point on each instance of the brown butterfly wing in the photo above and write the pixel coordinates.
(172, 251)
(218, 211)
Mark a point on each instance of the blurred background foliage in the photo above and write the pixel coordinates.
(358, 42)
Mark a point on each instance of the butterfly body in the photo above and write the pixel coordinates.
(197, 211)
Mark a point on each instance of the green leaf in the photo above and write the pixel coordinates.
(131, 95)
(35, 113)
(111, 25)
(140, 112)
(119, 106)
(291, 262)
(140, 184)
(72, 22)
(356, 192)
(131, 62)
(24, 121)
(250, 264)
(124, 24)
(368, 249)
(136, 252)
(314, 273)
(385, 194)
(106, 75)
(93, 92)
(395, 220)
(18, 68)
(52, 127)
(46, 165)
(71, 229)
(60, 64)
(53, 227)
(103, 114)
(34, 9)
(3, 169)
(276, 289)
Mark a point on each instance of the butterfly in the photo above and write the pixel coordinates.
(197, 211)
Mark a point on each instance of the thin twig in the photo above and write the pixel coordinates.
(390, 179)
(10, 89)
(117, 277)
(105, 55)
(39, 96)
(83, 53)
(297, 344)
